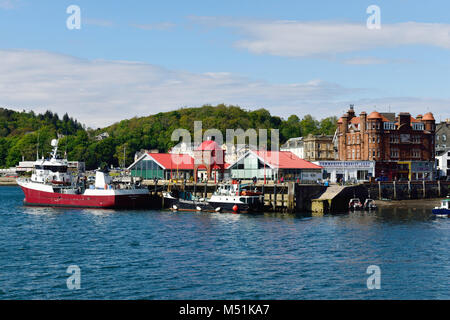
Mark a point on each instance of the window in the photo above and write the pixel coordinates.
(389, 125)
(362, 175)
(394, 153)
(393, 139)
(444, 137)
(418, 126)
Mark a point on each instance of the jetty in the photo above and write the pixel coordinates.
(290, 197)
(6, 181)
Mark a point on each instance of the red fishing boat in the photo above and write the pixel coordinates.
(52, 185)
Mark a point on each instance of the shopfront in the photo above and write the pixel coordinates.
(357, 171)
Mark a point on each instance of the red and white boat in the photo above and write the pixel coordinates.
(52, 185)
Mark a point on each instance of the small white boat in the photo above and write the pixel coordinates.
(370, 204)
(443, 210)
(355, 204)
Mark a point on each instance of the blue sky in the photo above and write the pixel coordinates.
(134, 58)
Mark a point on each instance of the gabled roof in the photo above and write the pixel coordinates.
(281, 160)
(168, 161)
(171, 161)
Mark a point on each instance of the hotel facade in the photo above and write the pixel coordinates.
(401, 146)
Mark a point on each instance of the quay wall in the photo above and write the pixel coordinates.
(408, 190)
(8, 181)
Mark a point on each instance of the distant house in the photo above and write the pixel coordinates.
(318, 148)
(102, 136)
(443, 135)
(274, 165)
(296, 146)
(443, 163)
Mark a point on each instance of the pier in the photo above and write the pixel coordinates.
(290, 197)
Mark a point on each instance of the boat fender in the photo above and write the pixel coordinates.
(218, 209)
(199, 209)
(174, 207)
(235, 208)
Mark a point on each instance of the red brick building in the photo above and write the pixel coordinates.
(401, 146)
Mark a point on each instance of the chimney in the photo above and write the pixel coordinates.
(344, 125)
(404, 118)
(351, 112)
(363, 121)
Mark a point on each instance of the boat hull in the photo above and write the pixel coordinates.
(441, 212)
(115, 201)
(187, 205)
(242, 207)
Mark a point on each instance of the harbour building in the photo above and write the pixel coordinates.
(402, 147)
(163, 166)
(274, 165)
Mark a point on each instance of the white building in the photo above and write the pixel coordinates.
(274, 165)
(348, 170)
(443, 163)
(294, 145)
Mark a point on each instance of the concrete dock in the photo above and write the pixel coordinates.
(4, 181)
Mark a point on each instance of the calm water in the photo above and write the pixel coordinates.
(164, 255)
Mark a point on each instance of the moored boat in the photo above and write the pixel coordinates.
(355, 204)
(370, 204)
(237, 198)
(185, 201)
(443, 210)
(52, 185)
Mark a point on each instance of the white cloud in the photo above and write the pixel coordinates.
(300, 39)
(440, 107)
(98, 22)
(8, 4)
(373, 60)
(155, 26)
(99, 92)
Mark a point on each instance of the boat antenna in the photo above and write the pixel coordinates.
(124, 149)
(65, 151)
(37, 147)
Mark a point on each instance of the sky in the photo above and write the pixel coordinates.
(136, 58)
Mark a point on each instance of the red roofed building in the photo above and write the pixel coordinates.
(274, 165)
(163, 166)
(210, 156)
(401, 146)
